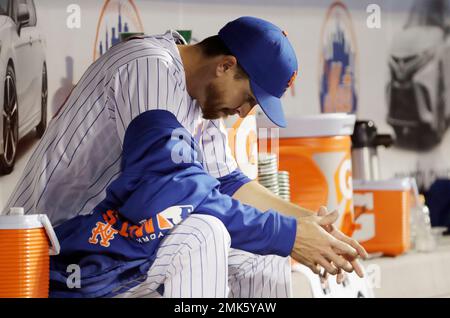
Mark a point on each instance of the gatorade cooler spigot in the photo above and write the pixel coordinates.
(26, 243)
(316, 151)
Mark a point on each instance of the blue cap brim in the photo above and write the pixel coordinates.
(271, 105)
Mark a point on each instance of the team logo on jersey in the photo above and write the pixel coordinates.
(105, 232)
(146, 231)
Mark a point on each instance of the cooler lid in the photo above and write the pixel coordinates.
(398, 184)
(322, 125)
(16, 220)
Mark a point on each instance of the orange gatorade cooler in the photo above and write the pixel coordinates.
(242, 139)
(26, 243)
(316, 151)
(382, 215)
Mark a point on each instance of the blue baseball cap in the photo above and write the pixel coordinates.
(266, 55)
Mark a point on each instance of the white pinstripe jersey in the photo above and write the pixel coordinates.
(79, 155)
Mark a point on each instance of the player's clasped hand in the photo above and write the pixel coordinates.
(319, 244)
(352, 242)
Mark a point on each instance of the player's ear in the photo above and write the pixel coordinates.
(226, 63)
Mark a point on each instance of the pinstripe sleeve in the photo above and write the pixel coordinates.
(217, 157)
(144, 84)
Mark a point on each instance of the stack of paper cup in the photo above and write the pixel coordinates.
(283, 185)
(268, 171)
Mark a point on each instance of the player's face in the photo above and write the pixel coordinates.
(228, 95)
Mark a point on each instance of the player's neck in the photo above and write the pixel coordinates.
(194, 69)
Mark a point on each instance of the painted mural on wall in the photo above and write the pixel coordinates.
(116, 17)
(418, 92)
(338, 62)
(23, 78)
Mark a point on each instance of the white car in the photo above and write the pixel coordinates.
(418, 93)
(23, 78)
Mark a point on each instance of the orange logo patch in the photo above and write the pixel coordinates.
(106, 233)
(142, 232)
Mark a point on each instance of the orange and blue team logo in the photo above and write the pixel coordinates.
(102, 234)
(338, 62)
(147, 230)
(292, 79)
(291, 82)
(116, 17)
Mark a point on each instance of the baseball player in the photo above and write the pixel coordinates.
(136, 175)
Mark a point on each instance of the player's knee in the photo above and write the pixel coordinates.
(212, 229)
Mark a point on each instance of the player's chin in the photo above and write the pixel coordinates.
(215, 115)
